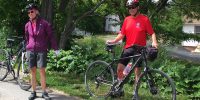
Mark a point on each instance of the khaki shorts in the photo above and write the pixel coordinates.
(38, 59)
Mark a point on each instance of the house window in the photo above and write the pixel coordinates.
(197, 29)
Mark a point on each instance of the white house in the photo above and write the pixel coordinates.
(191, 26)
(112, 23)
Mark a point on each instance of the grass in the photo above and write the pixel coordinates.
(107, 37)
(68, 83)
(73, 85)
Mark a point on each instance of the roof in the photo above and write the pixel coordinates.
(191, 21)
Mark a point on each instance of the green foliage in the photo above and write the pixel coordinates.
(185, 74)
(77, 59)
(167, 23)
(3, 35)
(12, 16)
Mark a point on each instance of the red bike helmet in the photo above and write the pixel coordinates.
(131, 3)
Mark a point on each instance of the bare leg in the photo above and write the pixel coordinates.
(120, 69)
(33, 77)
(43, 78)
(137, 72)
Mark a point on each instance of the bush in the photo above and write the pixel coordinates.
(78, 58)
(3, 35)
(185, 75)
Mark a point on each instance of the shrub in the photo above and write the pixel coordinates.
(3, 35)
(185, 75)
(78, 58)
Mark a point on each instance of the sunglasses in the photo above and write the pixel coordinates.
(30, 12)
(132, 7)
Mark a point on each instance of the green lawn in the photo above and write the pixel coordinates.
(74, 85)
(107, 37)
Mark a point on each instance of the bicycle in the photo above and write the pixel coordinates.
(100, 79)
(9, 59)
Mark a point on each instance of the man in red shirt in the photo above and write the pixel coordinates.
(135, 28)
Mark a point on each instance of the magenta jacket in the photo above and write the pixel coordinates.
(39, 41)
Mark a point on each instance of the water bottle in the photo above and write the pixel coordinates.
(127, 69)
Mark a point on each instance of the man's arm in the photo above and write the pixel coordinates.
(154, 40)
(117, 39)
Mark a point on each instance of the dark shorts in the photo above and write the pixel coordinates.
(130, 52)
(38, 59)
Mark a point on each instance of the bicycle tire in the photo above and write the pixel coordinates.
(23, 73)
(99, 78)
(164, 86)
(3, 64)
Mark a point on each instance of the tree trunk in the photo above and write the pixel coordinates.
(69, 25)
(47, 10)
(71, 22)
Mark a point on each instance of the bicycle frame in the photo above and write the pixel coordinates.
(137, 57)
(102, 75)
(141, 56)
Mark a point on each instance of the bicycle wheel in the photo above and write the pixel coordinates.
(23, 73)
(155, 85)
(3, 64)
(99, 78)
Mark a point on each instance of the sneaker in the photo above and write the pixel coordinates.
(45, 96)
(32, 96)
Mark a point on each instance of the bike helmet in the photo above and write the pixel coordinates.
(31, 6)
(152, 53)
(132, 3)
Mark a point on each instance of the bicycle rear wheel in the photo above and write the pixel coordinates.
(155, 85)
(99, 78)
(3, 64)
(23, 73)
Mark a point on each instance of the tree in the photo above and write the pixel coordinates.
(65, 15)
(72, 19)
(47, 10)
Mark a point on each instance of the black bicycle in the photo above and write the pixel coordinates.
(9, 60)
(153, 84)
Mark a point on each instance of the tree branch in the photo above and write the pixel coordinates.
(162, 4)
(89, 12)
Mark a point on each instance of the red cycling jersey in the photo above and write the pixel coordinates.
(135, 29)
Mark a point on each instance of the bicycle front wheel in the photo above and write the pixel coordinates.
(3, 64)
(99, 78)
(23, 73)
(155, 85)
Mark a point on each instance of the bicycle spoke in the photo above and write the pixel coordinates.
(98, 79)
(23, 74)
